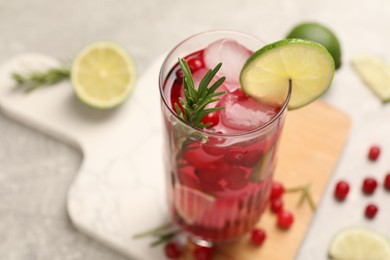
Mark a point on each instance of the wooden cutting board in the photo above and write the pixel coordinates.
(312, 141)
(119, 190)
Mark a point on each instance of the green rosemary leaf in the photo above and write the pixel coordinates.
(154, 231)
(207, 79)
(196, 100)
(34, 79)
(216, 85)
(186, 71)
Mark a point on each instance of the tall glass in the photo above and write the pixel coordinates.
(218, 183)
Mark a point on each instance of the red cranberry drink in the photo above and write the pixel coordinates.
(219, 176)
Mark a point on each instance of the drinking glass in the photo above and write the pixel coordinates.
(218, 183)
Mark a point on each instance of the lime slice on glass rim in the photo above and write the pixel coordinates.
(358, 243)
(103, 75)
(304, 64)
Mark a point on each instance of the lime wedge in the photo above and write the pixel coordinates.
(375, 72)
(308, 65)
(357, 243)
(103, 75)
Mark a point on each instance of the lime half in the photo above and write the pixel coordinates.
(357, 243)
(103, 75)
(317, 32)
(375, 72)
(306, 64)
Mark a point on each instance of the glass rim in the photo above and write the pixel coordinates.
(198, 130)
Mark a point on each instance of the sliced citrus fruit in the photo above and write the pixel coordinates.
(358, 243)
(103, 75)
(192, 204)
(375, 72)
(317, 32)
(307, 65)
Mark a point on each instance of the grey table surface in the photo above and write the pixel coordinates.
(37, 170)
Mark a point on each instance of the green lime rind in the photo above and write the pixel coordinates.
(282, 70)
(318, 33)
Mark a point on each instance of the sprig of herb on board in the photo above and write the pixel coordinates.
(35, 79)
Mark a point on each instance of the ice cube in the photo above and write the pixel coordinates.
(232, 55)
(244, 113)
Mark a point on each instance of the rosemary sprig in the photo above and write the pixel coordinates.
(162, 234)
(305, 195)
(34, 79)
(196, 100)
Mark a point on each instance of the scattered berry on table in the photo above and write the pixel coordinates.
(369, 185)
(386, 183)
(277, 190)
(172, 250)
(341, 190)
(276, 205)
(374, 152)
(258, 236)
(285, 219)
(371, 211)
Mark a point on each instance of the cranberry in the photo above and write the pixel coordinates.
(203, 253)
(374, 152)
(285, 219)
(179, 73)
(341, 190)
(236, 178)
(251, 158)
(172, 250)
(214, 146)
(195, 63)
(369, 185)
(212, 119)
(234, 157)
(276, 205)
(386, 184)
(258, 236)
(277, 190)
(371, 210)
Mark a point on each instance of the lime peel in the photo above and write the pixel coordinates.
(308, 65)
(103, 75)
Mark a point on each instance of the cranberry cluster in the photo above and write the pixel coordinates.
(369, 185)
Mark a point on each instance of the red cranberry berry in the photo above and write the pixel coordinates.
(386, 184)
(276, 205)
(258, 236)
(212, 119)
(195, 64)
(285, 219)
(369, 185)
(371, 211)
(277, 190)
(203, 253)
(172, 250)
(341, 190)
(374, 152)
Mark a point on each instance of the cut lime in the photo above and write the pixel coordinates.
(192, 204)
(375, 72)
(308, 65)
(103, 75)
(357, 243)
(318, 33)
